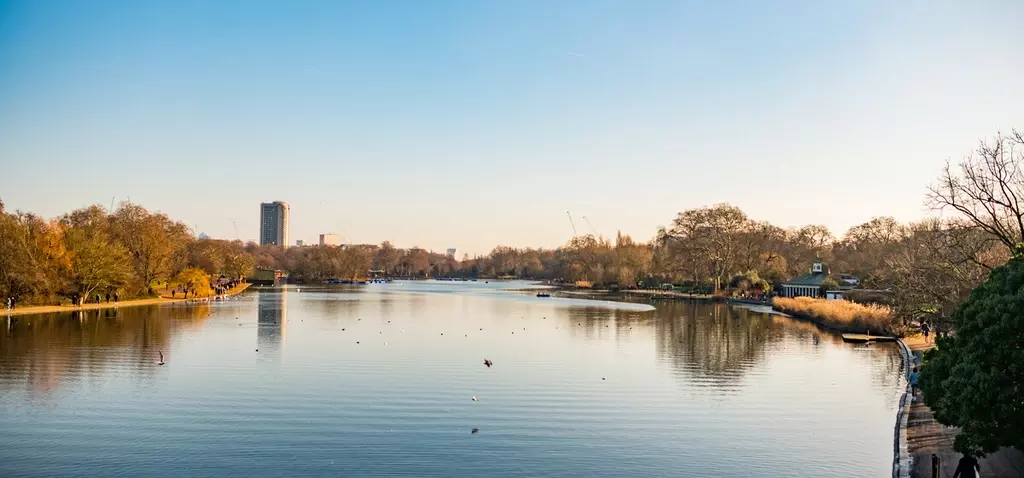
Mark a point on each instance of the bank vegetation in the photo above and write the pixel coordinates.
(840, 315)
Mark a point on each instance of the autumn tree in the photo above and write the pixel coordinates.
(387, 258)
(749, 282)
(206, 254)
(196, 281)
(97, 262)
(630, 261)
(152, 241)
(355, 261)
(415, 262)
(238, 264)
(20, 262)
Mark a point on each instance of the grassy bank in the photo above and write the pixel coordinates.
(45, 309)
(839, 315)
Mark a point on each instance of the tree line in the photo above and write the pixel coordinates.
(925, 268)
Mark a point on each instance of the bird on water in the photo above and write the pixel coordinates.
(161, 362)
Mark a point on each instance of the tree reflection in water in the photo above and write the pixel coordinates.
(713, 345)
(46, 347)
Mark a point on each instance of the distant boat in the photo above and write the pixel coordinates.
(543, 294)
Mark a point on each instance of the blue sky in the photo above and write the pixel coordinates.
(476, 123)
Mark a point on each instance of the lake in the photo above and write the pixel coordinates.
(379, 380)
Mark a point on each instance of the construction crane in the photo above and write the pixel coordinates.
(236, 230)
(591, 226)
(571, 223)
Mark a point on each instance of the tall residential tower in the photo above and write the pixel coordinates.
(274, 223)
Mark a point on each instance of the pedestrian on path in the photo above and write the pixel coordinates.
(913, 381)
(924, 330)
(967, 468)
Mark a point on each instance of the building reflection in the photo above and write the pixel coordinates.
(271, 318)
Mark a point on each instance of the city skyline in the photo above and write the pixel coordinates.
(480, 124)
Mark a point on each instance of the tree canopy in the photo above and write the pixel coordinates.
(974, 379)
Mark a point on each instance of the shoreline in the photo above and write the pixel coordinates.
(56, 309)
(673, 295)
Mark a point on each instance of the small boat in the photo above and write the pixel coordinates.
(543, 294)
(864, 338)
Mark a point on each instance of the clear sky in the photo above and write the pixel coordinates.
(475, 123)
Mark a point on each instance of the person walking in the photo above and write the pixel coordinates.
(967, 468)
(924, 330)
(116, 297)
(108, 297)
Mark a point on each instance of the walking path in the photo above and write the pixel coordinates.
(927, 437)
(45, 309)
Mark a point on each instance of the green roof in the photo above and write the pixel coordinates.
(808, 279)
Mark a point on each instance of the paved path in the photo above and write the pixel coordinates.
(46, 309)
(926, 437)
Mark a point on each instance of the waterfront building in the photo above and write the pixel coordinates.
(809, 285)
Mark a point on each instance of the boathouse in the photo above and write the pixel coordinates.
(807, 285)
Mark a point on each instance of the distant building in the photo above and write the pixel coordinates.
(450, 252)
(265, 277)
(330, 240)
(202, 235)
(299, 243)
(274, 223)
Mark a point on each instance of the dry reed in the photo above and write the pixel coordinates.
(840, 315)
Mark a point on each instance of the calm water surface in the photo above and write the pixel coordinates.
(377, 381)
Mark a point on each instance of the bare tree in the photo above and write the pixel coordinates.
(987, 188)
(936, 265)
(708, 236)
